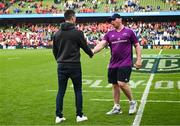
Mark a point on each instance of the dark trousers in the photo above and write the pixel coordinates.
(66, 71)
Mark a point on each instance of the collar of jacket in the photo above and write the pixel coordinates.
(67, 26)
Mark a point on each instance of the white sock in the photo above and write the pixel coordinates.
(116, 106)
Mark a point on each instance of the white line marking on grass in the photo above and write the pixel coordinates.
(82, 91)
(54, 90)
(153, 101)
(165, 74)
(111, 92)
(140, 111)
(91, 76)
(13, 58)
(165, 77)
(160, 52)
(163, 101)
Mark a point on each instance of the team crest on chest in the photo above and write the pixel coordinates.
(125, 34)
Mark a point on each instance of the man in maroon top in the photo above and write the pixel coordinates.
(120, 40)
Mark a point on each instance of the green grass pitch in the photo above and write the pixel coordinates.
(28, 87)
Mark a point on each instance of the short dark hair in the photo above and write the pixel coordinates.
(113, 17)
(69, 14)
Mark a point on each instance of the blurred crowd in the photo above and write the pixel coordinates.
(82, 6)
(27, 35)
(41, 35)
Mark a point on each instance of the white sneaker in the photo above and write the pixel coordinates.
(133, 107)
(58, 119)
(80, 119)
(114, 110)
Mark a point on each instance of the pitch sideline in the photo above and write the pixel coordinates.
(140, 111)
(153, 101)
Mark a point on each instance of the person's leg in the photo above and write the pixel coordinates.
(76, 76)
(116, 93)
(123, 79)
(62, 85)
(126, 90)
(112, 78)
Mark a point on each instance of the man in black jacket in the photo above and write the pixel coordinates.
(66, 49)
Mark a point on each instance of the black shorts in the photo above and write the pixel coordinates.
(119, 74)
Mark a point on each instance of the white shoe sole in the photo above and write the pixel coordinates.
(132, 113)
(114, 113)
(59, 121)
(81, 119)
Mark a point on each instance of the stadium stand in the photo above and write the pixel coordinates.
(86, 6)
(40, 35)
(32, 23)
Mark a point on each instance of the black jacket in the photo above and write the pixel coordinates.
(67, 43)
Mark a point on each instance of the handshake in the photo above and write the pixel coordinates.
(99, 47)
(103, 44)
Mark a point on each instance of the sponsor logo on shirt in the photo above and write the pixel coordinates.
(125, 34)
(119, 41)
